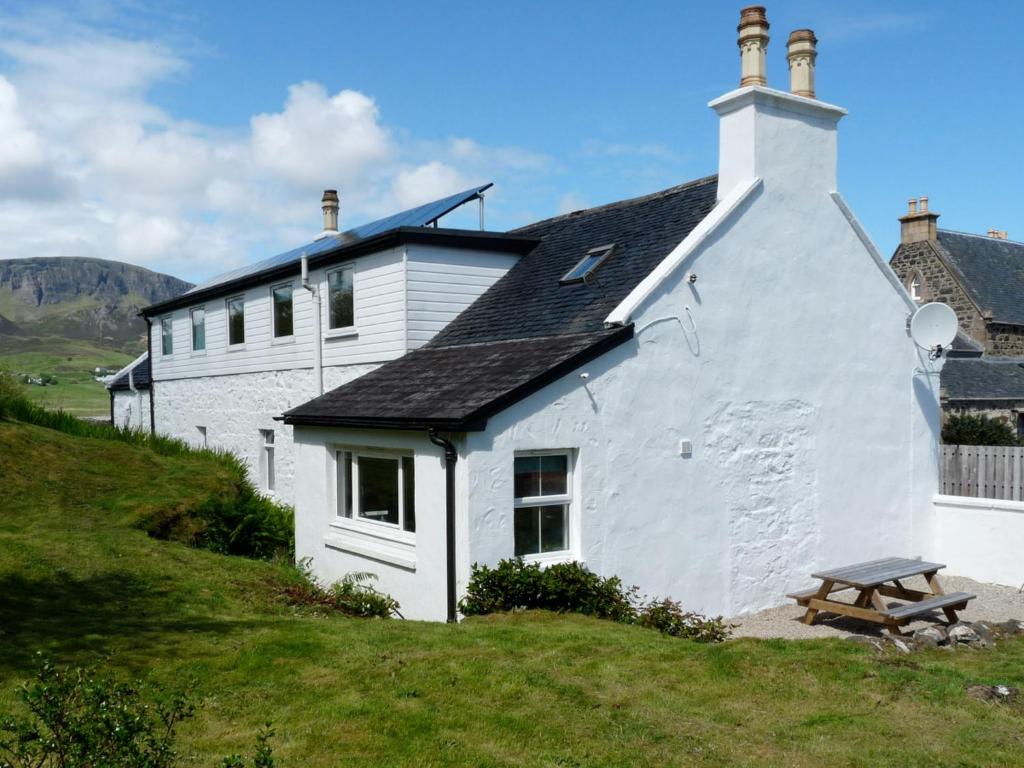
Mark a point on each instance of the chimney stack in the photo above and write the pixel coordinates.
(753, 43)
(330, 207)
(918, 224)
(801, 53)
(998, 234)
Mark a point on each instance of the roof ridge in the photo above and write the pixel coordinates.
(982, 237)
(621, 203)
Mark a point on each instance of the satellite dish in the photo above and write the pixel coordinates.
(934, 326)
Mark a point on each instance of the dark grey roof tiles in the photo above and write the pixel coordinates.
(992, 272)
(140, 374)
(984, 378)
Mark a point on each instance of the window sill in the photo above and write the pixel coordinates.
(553, 558)
(236, 347)
(393, 547)
(341, 333)
(198, 353)
(283, 339)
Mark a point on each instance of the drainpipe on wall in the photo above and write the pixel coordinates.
(152, 376)
(318, 359)
(450, 457)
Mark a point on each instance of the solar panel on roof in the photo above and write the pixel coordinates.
(420, 216)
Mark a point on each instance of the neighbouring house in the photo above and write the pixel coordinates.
(230, 355)
(129, 395)
(667, 388)
(982, 278)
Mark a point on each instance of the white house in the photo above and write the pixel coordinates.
(708, 391)
(229, 356)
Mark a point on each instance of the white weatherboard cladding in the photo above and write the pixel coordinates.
(794, 378)
(444, 281)
(981, 538)
(235, 408)
(335, 551)
(131, 409)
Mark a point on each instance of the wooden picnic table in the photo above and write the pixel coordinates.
(874, 581)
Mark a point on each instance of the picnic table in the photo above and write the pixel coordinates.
(876, 580)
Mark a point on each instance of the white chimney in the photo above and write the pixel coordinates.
(330, 206)
(782, 138)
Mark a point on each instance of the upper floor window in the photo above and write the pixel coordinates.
(236, 320)
(543, 496)
(167, 335)
(916, 287)
(340, 298)
(198, 329)
(283, 313)
(586, 266)
(379, 487)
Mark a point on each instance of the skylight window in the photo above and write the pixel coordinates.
(586, 266)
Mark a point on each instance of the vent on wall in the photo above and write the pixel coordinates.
(590, 261)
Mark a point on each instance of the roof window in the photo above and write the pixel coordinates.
(585, 267)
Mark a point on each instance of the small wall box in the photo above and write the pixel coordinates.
(685, 448)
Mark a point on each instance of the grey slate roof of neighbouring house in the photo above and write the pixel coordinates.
(527, 329)
(991, 271)
(140, 375)
(987, 378)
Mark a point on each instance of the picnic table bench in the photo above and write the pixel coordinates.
(874, 581)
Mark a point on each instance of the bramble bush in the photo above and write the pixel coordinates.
(972, 429)
(572, 588)
(352, 596)
(78, 718)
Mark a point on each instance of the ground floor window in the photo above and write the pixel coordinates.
(378, 487)
(267, 459)
(543, 498)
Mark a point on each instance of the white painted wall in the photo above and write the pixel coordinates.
(981, 538)
(131, 409)
(235, 408)
(412, 574)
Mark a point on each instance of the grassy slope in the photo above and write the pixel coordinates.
(76, 580)
(72, 362)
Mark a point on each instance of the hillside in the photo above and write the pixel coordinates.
(78, 581)
(82, 299)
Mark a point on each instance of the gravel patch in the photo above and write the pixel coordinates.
(993, 603)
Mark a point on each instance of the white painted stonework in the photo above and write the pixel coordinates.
(234, 409)
(981, 538)
(131, 409)
(813, 418)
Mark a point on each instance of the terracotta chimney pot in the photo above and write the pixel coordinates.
(801, 54)
(753, 43)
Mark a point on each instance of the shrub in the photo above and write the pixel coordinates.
(352, 596)
(572, 588)
(78, 718)
(971, 429)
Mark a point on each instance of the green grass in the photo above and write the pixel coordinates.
(78, 580)
(72, 362)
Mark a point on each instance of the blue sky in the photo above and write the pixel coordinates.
(193, 137)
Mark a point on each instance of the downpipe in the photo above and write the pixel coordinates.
(450, 457)
(318, 355)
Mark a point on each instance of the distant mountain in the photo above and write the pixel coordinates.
(80, 298)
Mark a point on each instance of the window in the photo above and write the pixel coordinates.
(379, 487)
(543, 495)
(202, 436)
(915, 287)
(236, 320)
(198, 329)
(340, 298)
(282, 311)
(167, 335)
(591, 261)
(267, 459)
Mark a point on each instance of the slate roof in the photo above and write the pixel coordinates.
(527, 329)
(991, 271)
(141, 375)
(984, 378)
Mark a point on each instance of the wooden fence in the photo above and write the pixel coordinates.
(983, 471)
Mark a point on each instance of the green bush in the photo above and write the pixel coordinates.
(971, 429)
(240, 521)
(78, 718)
(352, 596)
(572, 588)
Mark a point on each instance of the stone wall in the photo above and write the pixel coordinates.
(939, 285)
(1004, 410)
(1005, 340)
(131, 409)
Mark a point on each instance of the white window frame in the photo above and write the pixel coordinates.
(914, 286)
(567, 500)
(274, 338)
(346, 330)
(192, 329)
(227, 321)
(166, 319)
(395, 531)
(268, 468)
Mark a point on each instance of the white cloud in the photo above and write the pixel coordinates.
(90, 166)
